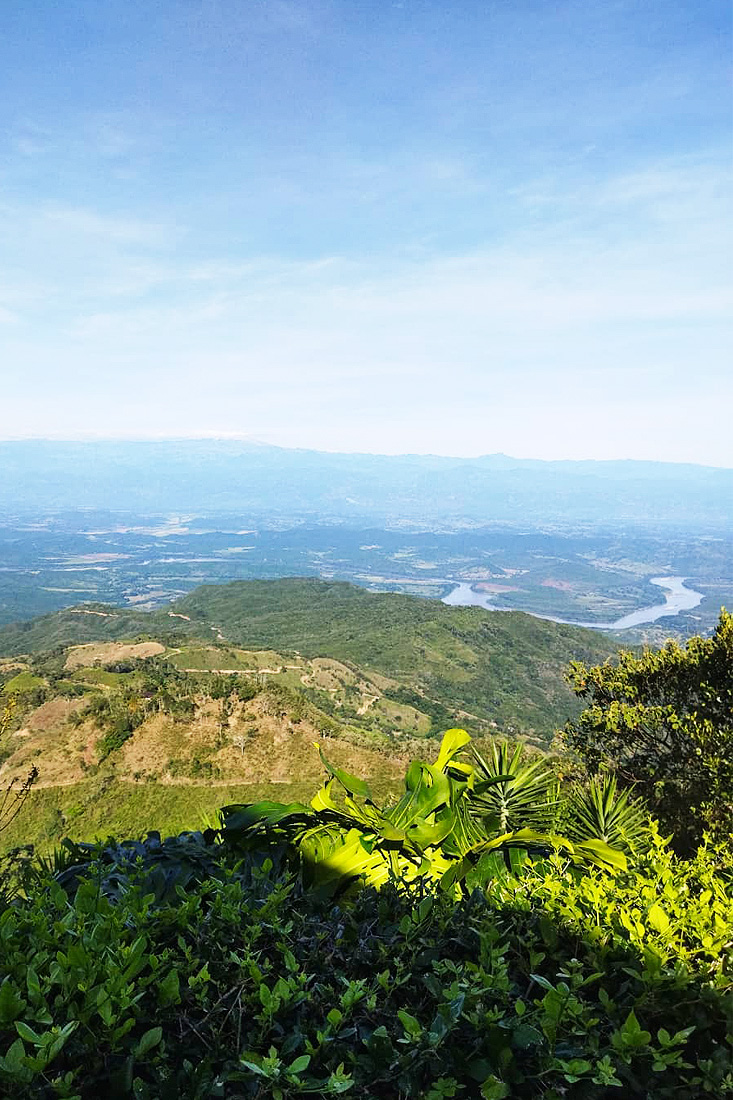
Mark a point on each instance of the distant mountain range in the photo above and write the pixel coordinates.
(213, 477)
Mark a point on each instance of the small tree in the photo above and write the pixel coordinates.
(663, 721)
(240, 741)
(15, 794)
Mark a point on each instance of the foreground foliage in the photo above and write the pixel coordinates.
(257, 961)
(216, 980)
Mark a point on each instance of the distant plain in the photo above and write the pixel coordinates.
(52, 561)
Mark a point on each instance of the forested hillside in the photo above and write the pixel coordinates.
(503, 667)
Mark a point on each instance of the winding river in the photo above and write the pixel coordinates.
(677, 597)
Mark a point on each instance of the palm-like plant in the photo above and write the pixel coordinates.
(433, 833)
(343, 839)
(599, 810)
(516, 792)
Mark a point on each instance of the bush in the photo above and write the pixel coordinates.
(663, 721)
(230, 982)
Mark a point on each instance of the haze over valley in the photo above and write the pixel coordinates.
(285, 595)
(581, 542)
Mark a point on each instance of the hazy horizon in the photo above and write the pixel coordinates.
(251, 441)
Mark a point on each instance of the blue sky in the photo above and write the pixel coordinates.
(441, 226)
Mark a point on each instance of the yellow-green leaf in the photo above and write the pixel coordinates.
(658, 919)
(453, 741)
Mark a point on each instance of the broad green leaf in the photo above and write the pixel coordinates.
(429, 836)
(253, 1067)
(58, 1041)
(15, 1058)
(11, 1003)
(494, 1089)
(350, 782)
(410, 1024)
(27, 1033)
(453, 741)
(525, 1036)
(169, 990)
(428, 789)
(597, 851)
(492, 781)
(322, 800)
(33, 983)
(658, 919)
(269, 813)
(455, 873)
(149, 1040)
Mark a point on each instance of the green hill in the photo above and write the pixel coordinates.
(90, 622)
(505, 668)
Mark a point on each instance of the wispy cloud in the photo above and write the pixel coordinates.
(90, 223)
(29, 139)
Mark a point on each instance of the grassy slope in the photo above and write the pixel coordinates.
(180, 764)
(101, 807)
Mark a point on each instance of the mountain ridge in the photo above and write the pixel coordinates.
(251, 446)
(261, 480)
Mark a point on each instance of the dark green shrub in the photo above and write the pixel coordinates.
(208, 980)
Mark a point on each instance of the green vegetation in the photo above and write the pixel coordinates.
(517, 792)
(207, 658)
(157, 687)
(243, 963)
(96, 622)
(440, 715)
(663, 721)
(99, 676)
(102, 806)
(239, 985)
(22, 684)
(438, 831)
(502, 926)
(599, 809)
